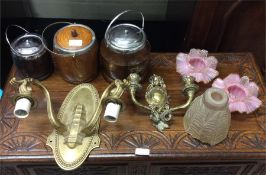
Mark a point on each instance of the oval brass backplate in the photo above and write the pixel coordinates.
(72, 147)
(156, 96)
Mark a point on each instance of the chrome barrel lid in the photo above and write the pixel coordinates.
(28, 45)
(126, 38)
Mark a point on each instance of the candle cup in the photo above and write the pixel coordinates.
(22, 108)
(111, 112)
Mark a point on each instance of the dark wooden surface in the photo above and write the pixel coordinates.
(23, 149)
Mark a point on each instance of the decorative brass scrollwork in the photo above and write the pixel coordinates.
(156, 97)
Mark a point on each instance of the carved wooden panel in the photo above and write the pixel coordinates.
(8, 122)
(140, 168)
(25, 139)
(8, 170)
(84, 170)
(260, 169)
(210, 169)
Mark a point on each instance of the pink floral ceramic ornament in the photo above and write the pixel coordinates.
(242, 93)
(197, 64)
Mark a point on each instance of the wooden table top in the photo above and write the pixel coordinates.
(25, 139)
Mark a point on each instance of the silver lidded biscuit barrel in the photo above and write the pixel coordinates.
(29, 55)
(74, 52)
(124, 50)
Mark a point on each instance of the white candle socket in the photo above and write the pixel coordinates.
(22, 108)
(111, 112)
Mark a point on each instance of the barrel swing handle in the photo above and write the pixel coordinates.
(43, 40)
(122, 13)
(6, 34)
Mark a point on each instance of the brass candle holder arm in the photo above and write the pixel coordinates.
(189, 90)
(111, 100)
(25, 91)
(135, 101)
(188, 102)
(110, 95)
(56, 123)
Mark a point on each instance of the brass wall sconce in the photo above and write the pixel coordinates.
(76, 125)
(156, 97)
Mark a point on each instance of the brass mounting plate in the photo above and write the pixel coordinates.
(69, 158)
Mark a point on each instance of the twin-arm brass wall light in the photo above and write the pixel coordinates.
(156, 97)
(77, 122)
(75, 126)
